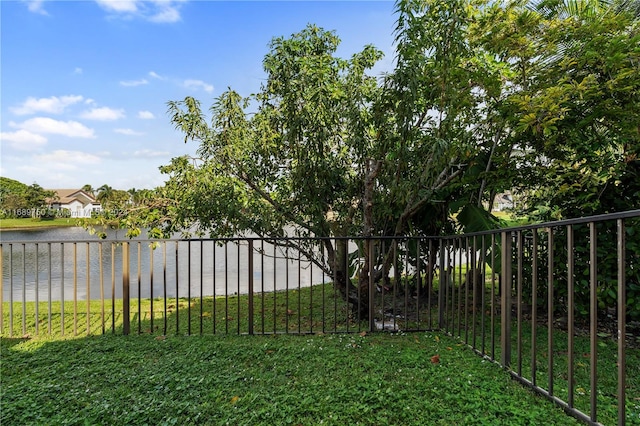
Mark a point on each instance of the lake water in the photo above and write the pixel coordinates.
(63, 263)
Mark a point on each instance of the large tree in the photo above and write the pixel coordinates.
(300, 164)
(580, 115)
(330, 151)
(323, 155)
(573, 131)
(20, 200)
(484, 96)
(567, 103)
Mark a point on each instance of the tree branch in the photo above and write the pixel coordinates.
(412, 208)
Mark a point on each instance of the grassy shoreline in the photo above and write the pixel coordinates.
(33, 224)
(25, 224)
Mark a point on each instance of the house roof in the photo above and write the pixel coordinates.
(66, 196)
(505, 197)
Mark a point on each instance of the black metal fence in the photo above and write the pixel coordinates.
(235, 285)
(556, 304)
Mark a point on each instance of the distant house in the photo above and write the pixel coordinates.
(503, 201)
(78, 202)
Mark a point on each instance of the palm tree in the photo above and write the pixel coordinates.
(631, 6)
(105, 192)
(585, 10)
(88, 189)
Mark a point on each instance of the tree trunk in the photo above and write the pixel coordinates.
(340, 267)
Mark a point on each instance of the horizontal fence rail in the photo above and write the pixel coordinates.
(556, 304)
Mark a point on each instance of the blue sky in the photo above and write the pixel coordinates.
(84, 84)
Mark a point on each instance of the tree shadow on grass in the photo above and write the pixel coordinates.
(304, 311)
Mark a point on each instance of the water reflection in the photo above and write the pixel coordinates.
(68, 263)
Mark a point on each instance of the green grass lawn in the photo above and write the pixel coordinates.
(28, 223)
(160, 375)
(338, 379)
(526, 361)
(310, 310)
(509, 219)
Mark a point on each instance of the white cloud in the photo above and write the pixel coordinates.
(103, 114)
(128, 132)
(72, 129)
(36, 6)
(198, 84)
(167, 14)
(67, 160)
(134, 83)
(52, 105)
(159, 11)
(77, 70)
(23, 140)
(147, 153)
(146, 115)
(119, 6)
(156, 75)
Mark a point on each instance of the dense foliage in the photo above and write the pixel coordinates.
(577, 132)
(18, 200)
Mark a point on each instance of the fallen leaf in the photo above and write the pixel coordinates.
(435, 359)
(161, 337)
(437, 338)
(449, 348)
(290, 312)
(363, 333)
(234, 399)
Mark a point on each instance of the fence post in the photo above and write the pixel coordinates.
(125, 289)
(442, 282)
(372, 323)
(250, 286)
(505, 301)
(622, 303)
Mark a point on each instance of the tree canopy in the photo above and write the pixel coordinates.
(485, 96)
(577, 121)
(20, 200)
